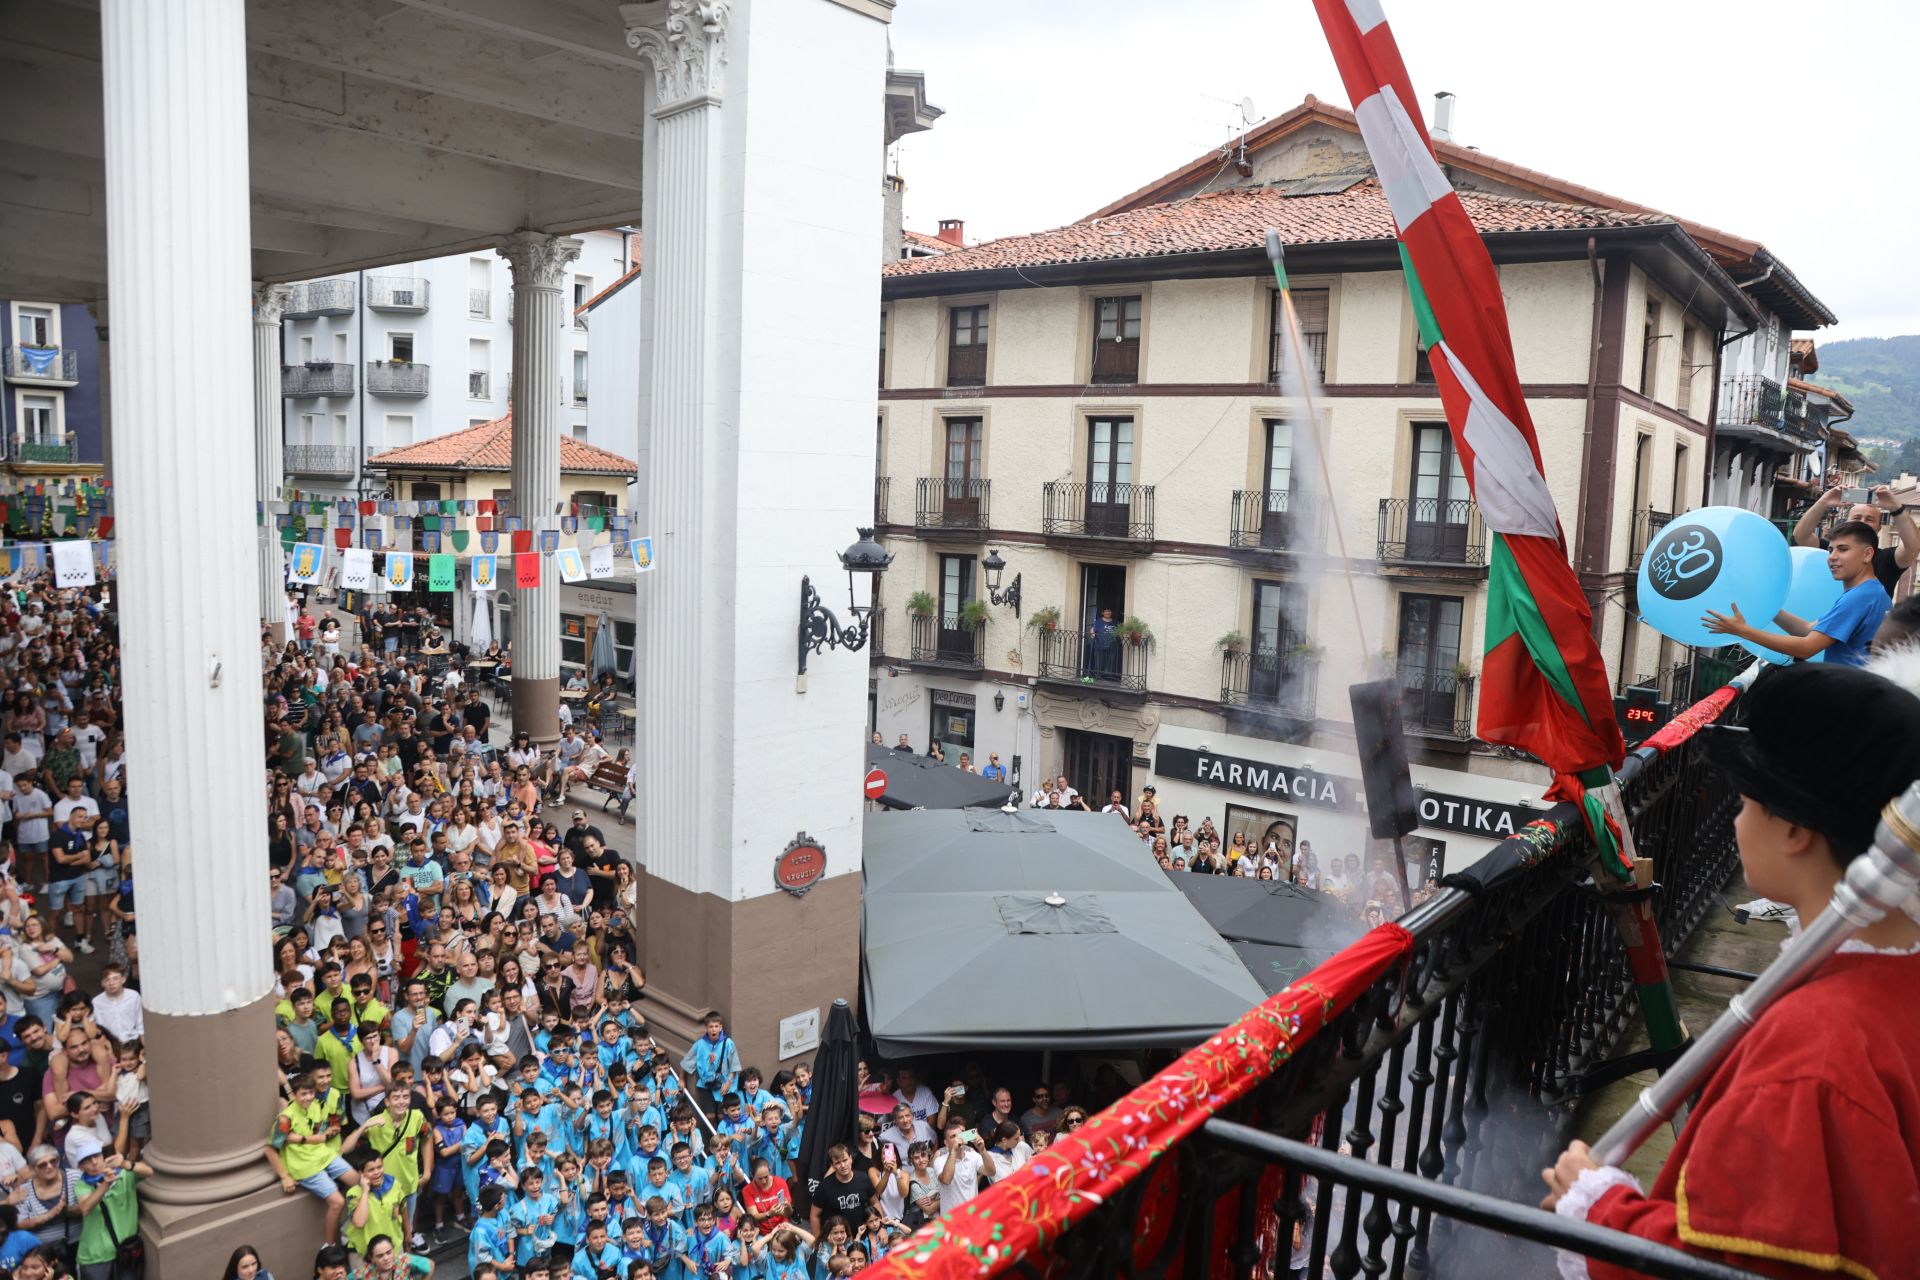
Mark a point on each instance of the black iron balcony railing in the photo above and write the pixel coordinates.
(1097, 509)
(949, 642)
(877, 641)
(44, 451)
(391, 378)
(316, 379)
(1431, 1102)
(1751, 399)
(57, 365)
(1431, 531)
(882, 491)
(942, 503)
(1437, 704)
(319, 459)
(321, 298)
(1110, 662)
(1647, 524)
(396, 293)
(1281, 679)
(1276, 520)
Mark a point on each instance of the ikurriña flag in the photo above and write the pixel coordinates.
(1543, 686)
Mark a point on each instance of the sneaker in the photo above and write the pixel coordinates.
(84, 947)
(418, 1242)
(66, 921)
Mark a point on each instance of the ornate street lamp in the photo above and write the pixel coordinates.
(819, 628)
(995, 566)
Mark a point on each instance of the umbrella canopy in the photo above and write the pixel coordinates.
(1278, 930)
(831, 1111)
(603, 659)
(991, 930)
(480, 635)
(921, 782)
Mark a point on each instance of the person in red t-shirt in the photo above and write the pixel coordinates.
(766, 1199)
(304, 627)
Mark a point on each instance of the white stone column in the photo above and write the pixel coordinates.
(269, 301)
(175, 109)
(539, 264)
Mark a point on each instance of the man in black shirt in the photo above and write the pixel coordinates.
(440, 729)
(841, 1192)
(407, 747)
(576, 836)
(20, 1103)
(1888, 562)
(477, 714)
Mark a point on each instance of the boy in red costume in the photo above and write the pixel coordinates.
(1802, 1157)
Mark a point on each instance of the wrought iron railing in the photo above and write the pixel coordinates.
(320, 378)
(942, 503)
(877, 637)
(480, 304)
(1276, 520)
(1750, 399)
(1647, 524)
(949, 642)
(43, 364)
(391, 378)
(1072, 656)
(319, 459)
(1431, 531)
(882, 491)
(396, 293)
(1281, 679)
(1436, 704)
(321, 298)
(54, 451)
(1449, 1080)
(1097, 509)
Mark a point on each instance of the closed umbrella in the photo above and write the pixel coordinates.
(831, 1114)
(603, 647)
(480, 635)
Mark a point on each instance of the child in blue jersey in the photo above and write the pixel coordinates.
(570, 1217)
(753, 1095)
(773, 1140)
(604, 1122)
(560, 1119)
(523, 1118)
(561, 1069)
(492, 1237)
(486, 1126)
(441, 1203)
(666, 1085)
(599, 1166)
(641, 1111)
(658, 1188)
(707, 1249)
(663, 1241)
(622, 1203)
(536, 1156)
(692, 1185)
(497, 1169)
(748, 1261)
(598, 1258)
(713, 1063)
(723, 1165)
(734, 1120)
(681, 1128)
(803, 1080)
(534, 1216)
(789, 1250)
(611, 1046)
(645, 1147)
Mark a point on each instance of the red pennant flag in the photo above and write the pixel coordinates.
(522, 540)
(485, 523)
(526, 569)
(368, 507)
(488, 506)
(103, 529)
(343, 538)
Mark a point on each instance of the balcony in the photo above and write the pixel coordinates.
(943, 507)
(320, 298)
(1277, 521)
(1647, 524)
(1070, 656)
(1279, 680)
(397, 293)
(944, 642)
(480, 385)
(877, 637)
(1434, 532)
(1756, 408)
(321, 378)
(479, 304)
(579, 393)
(1437, 704)
(396, 378)
(43, 366)
(44, 452)
(319, 459)
(1117, 516)
(881, 493)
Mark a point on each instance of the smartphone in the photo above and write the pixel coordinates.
(959, 1091)
(891, 1156)
(1855, 495)
(969, 1135)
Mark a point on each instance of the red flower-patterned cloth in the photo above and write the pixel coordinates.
(1692, 720)
(1029, 1210)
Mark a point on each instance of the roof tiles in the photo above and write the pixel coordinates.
(489, 447)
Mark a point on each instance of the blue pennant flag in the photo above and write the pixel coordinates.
(549, 541)
(489, 542)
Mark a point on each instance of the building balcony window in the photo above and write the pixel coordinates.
(43, 366)
(318, 378)
(1114, 513)
(944, 505)
(396, 293)
(43, 451)
(1750, 399)
(480, 385)
(948, 642)
(321, 298)
(396, 378)
(1278, 680)
(1432, 531)
(1109, 664)
(1276, 520)
(480, 304)
(1437, 703)
(579, 392)
(1647, 524)
(882, 486)
(319, 459)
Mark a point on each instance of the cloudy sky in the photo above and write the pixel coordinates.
(1785, 123)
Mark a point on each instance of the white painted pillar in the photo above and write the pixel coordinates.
(269, 301)
(175, 98)
(539, 263)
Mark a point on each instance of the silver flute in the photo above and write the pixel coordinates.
(1877, 882)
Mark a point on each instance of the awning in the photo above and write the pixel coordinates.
(988, 930)
(921, 782)
(1278, 930)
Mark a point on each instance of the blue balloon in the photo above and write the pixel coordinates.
(1811, 591)
(1713, 559)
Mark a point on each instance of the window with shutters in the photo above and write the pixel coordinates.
(1311, 307)
(967, 346)
(1116, 339)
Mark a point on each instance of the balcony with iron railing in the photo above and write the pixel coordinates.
(1432, 532)
(1107, 663)
(1392, 1108)
(42, 452)
(1437, 703)
(320, 378)
(48, 366)
(319, 459)
(877, 636)
(1647, 524)
(1276, 520)
(397, 378)
(480, 304)
(882, 492)
(321, 298)
(943, 506)
(1750, 405)
(1279, 678)
(948, 642)
(396, 293)
(1119, 516)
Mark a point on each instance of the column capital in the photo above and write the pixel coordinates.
(686, 43)
(269, 301)
(539, 260)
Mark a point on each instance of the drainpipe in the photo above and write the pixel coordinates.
(360, 380)
(1593, 388)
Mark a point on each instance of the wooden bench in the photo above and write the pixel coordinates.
(612, 779)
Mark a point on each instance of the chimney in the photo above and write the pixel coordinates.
(953, 231)
(1442, 117)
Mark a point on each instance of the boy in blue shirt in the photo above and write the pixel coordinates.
(734, 1122)
(604, 1122)
(692, 1185)
(641, 1111)
(664, 1242)
(484, 1128)
(598, 1259)
(658, 1188)
(1846, 629)
(492, 1237)
(753, 1096)
(533, 1217)
(707, 1248)
(713, 1063)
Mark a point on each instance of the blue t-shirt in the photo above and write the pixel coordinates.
(1852, 620)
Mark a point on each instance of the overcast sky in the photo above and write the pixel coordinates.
(1791, 124)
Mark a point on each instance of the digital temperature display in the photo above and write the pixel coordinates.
(1640, 712)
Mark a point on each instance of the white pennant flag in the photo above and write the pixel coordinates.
(73, 564)
(356, 569)
(600, 561)
(304, 566)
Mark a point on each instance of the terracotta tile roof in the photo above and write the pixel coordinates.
(1238, 218)
(489, 447)
(1805, 358)
(608, 292)
(1815, 389)
(932, 244)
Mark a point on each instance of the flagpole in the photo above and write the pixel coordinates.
(1639, 931)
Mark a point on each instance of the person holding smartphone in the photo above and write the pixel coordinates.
(1872, 508)
(961, 1165)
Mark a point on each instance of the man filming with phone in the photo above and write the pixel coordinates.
(1888, 562)
(960, 1166)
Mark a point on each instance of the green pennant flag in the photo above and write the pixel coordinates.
(430, 524)
(440, 573)
(596, 523)
(316, 508)
(288, 536)
(459, 539)
(448, 506)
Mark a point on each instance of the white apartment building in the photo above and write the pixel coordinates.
(375, 360)
(1097, 407)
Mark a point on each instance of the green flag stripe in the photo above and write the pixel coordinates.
(1422, 311)
(1511, 609)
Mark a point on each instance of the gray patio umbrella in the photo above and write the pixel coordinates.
(603, 659)
(921, 782)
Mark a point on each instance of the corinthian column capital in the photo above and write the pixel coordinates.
(269, 301)
(538, 260)
(686, 43)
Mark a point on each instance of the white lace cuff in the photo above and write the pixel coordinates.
(1578, 1202)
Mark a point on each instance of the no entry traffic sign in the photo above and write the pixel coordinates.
(876, 784)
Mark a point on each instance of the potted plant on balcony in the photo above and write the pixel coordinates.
(1047, 619)
(921, 604)
(1135, 632)
(974, 614)
(1308, 649)
(1461, 671)
(1231, 643)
